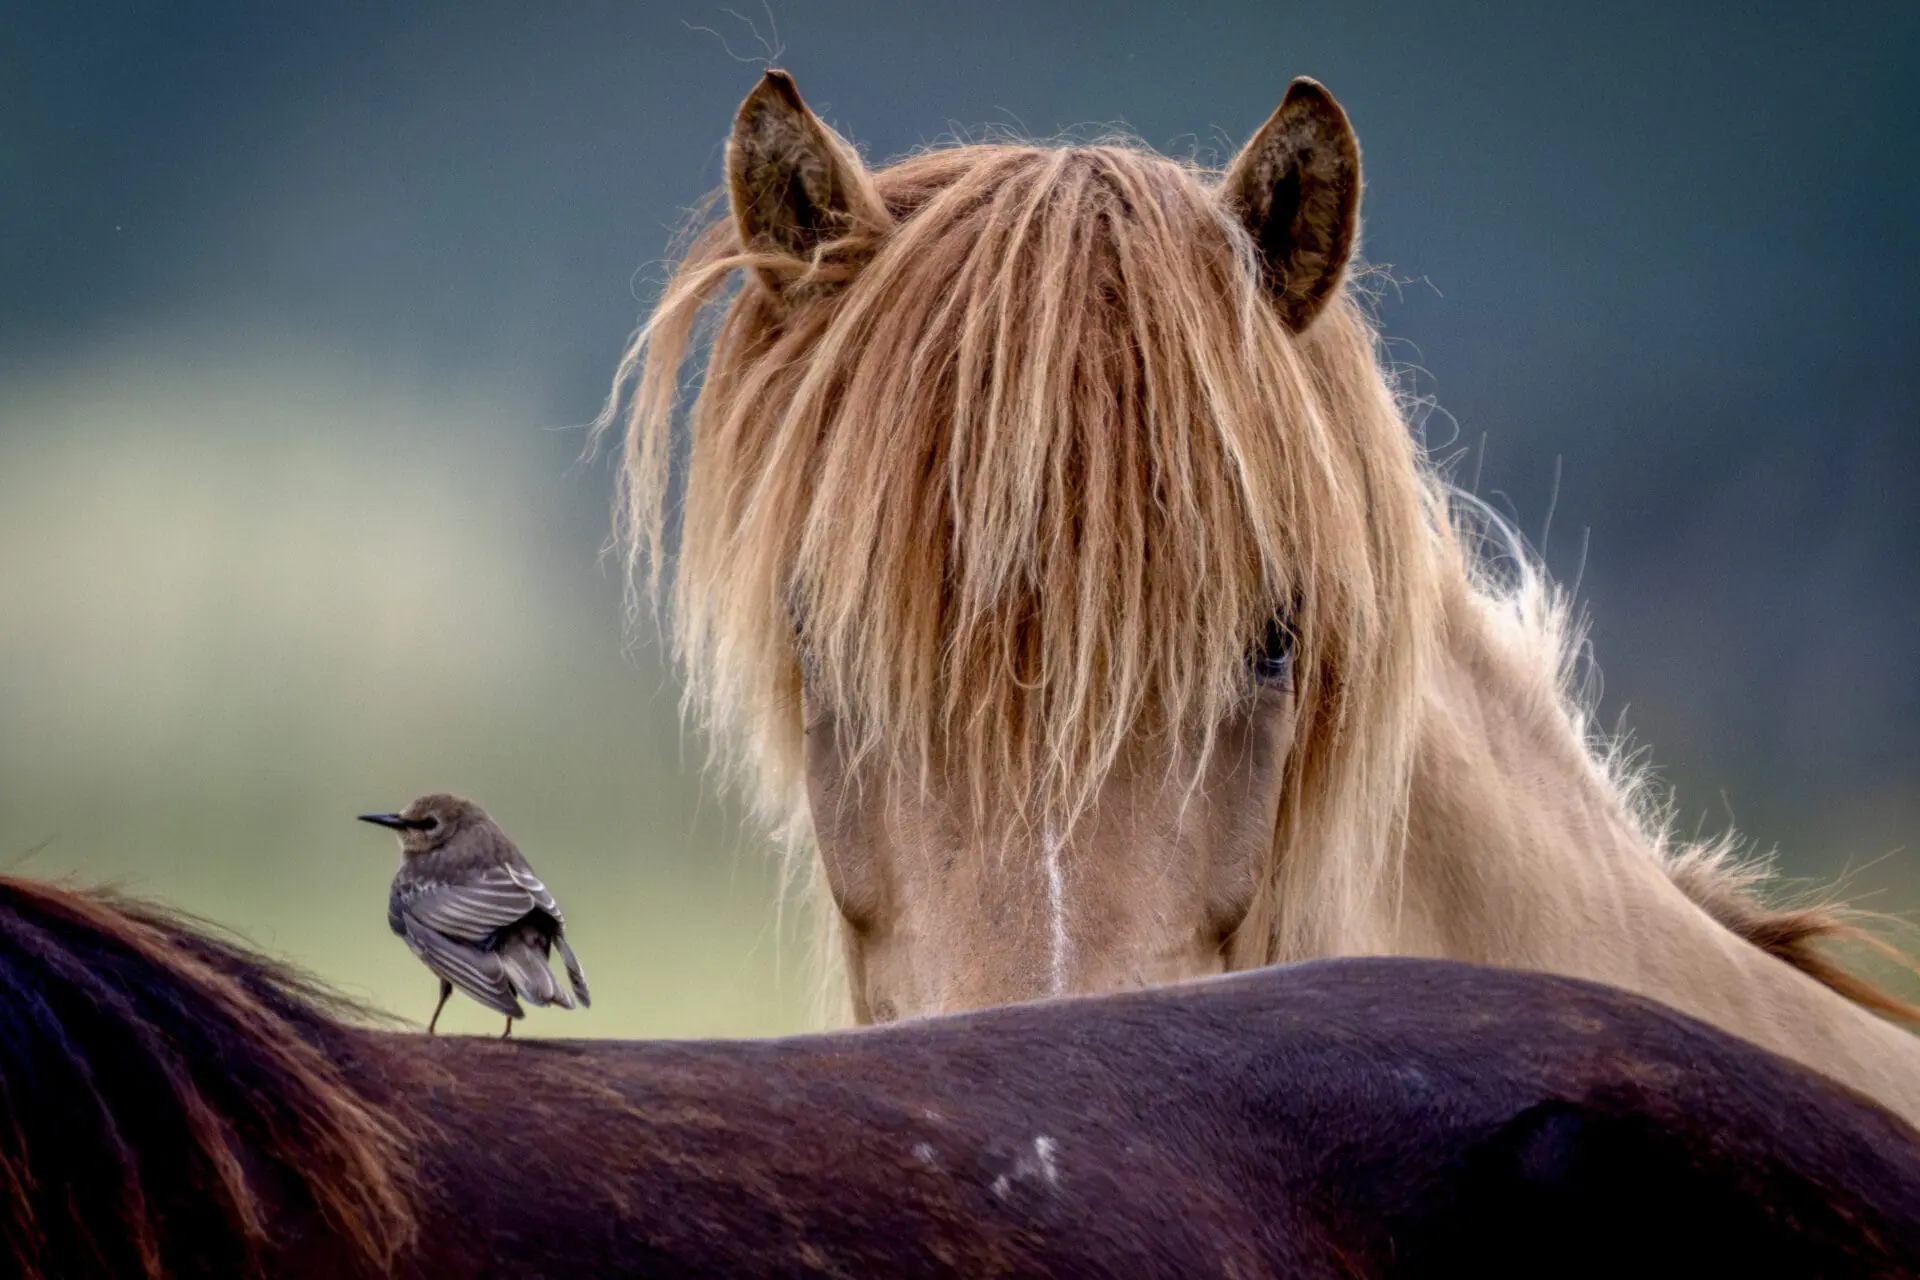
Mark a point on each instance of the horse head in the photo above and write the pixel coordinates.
(1052, 549)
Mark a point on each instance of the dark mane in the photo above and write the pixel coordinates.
(174, 1085)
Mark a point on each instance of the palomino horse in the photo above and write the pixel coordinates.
(171, 1105)
(1056, 560)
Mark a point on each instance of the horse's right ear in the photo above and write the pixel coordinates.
(794, 184)
(1296, 189)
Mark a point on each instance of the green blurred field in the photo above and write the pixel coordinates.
(251, 594)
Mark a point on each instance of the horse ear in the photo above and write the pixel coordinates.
(1296, 188)
(794, 184)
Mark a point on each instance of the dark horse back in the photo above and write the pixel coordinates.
(1382, 1118)
(1601, 1189)
(1548, 1126)
(175, 1106)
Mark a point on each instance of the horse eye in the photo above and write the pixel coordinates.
(807, 664)
(1273, 664)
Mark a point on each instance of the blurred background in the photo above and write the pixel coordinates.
(302, 307)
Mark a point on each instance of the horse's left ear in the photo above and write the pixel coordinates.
(1296, 188)
(793, 183)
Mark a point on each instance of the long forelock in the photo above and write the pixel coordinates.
(1025, 478)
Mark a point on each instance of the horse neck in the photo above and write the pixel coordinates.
(1523, 850)
(1516, 835)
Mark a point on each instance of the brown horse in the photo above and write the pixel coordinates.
(1056, 560)
(172, 1105)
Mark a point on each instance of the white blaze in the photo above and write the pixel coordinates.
(1056, 910)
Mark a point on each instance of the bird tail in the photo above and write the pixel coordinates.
(529, 974)
(576, 976)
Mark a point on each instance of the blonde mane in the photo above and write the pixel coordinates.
(1016, 479)
(1026, 477)
(1533, 620)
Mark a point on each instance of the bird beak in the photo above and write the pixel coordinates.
(393, 820)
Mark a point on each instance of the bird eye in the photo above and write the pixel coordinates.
(433, 824)
(1273, 662)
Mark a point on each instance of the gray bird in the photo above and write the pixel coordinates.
(468, 904)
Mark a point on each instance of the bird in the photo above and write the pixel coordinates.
(467, 903)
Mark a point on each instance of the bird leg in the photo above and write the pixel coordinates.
(508, 1031)
(446, 989)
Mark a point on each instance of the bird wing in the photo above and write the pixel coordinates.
(523, 954)
(475, 971)
(576, 976)
(474, 908)
(525, 878)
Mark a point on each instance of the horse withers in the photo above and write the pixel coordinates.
(177, 1106)
(1056, 559)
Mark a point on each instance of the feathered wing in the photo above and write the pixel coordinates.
(482, 912)
(523, 954)
(474, 970)
(536, 891)
(471, 909)
(576, 976)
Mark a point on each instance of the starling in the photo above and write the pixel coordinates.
(468, 904)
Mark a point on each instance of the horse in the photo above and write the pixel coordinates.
(1053, 562)
(174, 1104)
